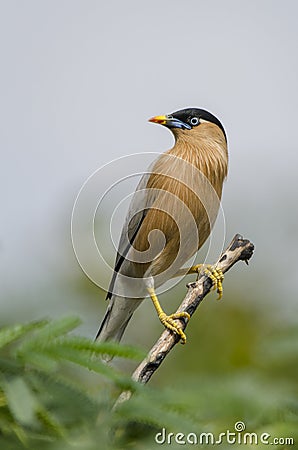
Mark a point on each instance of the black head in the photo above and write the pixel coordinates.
(187, 119)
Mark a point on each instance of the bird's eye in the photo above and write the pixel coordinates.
(194, 121)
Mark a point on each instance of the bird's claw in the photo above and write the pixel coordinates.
(217, 277)
(169, 323)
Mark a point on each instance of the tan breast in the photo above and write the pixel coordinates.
(186, 184)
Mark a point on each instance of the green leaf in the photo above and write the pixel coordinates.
(118, 350)
(39, 359)
(56, 328)
(87, 360)
(21, 401)
(51, 330)
(113, 349)
(50, 423)
(10, 334)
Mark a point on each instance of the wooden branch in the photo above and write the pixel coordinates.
(239, 250)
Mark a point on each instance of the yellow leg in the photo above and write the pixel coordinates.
(168, 321)
(214, 274)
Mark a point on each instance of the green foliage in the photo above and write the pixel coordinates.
(49, 398)
(57, 393)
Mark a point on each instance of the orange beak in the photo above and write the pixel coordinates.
(162, 120)
(170, 122)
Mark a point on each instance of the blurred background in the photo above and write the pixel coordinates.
(78, 82)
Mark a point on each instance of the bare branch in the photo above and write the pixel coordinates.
(239, 250)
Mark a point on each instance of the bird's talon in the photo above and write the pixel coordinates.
(182, 337)
(217, 277)
(169, 323)
(180, 315)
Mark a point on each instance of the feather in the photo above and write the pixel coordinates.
(170, 217)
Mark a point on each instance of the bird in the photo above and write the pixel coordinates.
(171, 215)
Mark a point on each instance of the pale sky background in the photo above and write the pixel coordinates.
(78, 81)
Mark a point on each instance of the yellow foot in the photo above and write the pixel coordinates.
(169, 322)
(216, 277)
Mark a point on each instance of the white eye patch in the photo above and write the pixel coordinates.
(194, 121)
